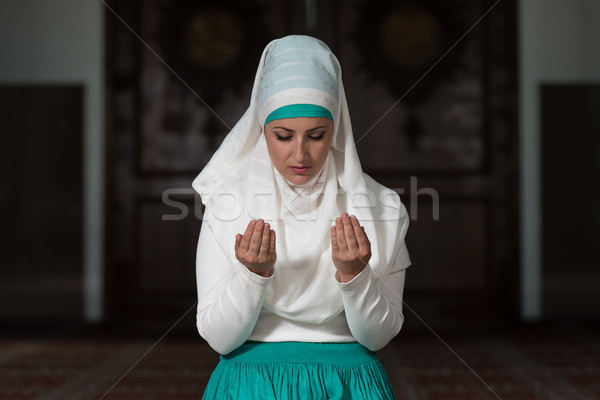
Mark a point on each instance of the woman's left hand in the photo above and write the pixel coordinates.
(350, 247)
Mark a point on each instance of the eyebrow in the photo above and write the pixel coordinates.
(293, 131)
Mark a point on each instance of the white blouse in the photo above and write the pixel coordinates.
(230, 299)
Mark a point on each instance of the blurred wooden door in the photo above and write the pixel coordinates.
(433, 115)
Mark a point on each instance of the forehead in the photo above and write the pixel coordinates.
(300, 123)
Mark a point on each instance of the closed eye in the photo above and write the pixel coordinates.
(282, 138)
(317, 137)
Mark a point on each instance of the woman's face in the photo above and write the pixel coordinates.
(299, 146)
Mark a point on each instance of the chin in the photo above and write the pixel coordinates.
(299, 179)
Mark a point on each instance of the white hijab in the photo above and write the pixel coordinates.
(240, 183)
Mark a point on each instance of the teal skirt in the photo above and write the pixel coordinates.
(299, 370)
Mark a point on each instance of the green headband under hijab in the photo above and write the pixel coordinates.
(299, 110)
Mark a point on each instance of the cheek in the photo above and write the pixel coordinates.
(322, 154)
(322, 150)
(277, 151)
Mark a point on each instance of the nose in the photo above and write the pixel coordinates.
(300, 150)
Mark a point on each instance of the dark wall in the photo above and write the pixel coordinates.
(41, 203)
(570, 198)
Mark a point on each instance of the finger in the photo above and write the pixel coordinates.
(272, 251)
(349, 233)
(245, 242)
(250, 228)
(359, 232)
(265, 241)
(334, 244)
(256, 237)
(238, 240)
(340, 235)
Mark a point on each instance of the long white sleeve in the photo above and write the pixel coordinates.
(374, 307)
(230, 302)
(230, 297)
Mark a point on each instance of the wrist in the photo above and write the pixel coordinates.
(261, 272)
(345, 278)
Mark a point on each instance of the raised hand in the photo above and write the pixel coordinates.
(350, 247)
(255, 249)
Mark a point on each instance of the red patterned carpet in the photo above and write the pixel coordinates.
(521, 364)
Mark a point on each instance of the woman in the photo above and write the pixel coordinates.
(301, 258)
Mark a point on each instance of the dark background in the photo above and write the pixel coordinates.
(437, 115)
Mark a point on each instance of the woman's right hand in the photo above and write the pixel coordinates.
(255, 249)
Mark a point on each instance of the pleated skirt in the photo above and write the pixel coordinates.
(299, 370)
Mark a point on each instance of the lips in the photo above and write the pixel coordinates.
(300, 169)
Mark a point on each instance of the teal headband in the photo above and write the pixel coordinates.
(299, 110)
